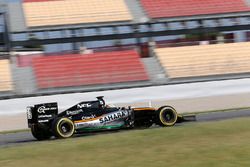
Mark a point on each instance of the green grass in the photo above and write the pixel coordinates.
(219, 144)
(14, 131)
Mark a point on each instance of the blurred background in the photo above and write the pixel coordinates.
(63, 46)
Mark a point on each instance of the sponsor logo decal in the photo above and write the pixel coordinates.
(112, 117)
(88, 124)
(84, 105)
(43, 109)
(74, 112)
(29, 114)
(44, 116)
(88, 117)
(42, 121)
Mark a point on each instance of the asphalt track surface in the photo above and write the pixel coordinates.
(21, 138)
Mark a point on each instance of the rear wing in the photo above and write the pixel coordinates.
(41, 113)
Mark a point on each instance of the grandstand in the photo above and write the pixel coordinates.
(88, 69)
(128, 43)
(180, 8)
(5, 76)
(205, 60)
(71, 12)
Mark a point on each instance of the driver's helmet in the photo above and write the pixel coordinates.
(101, 103)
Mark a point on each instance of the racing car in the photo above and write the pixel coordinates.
(91, 116)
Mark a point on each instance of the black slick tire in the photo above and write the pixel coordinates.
(167, 116)
(40, 133)
(63, 127)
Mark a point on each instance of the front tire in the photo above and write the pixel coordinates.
(63, 128)
(40, 133)
(167, 116)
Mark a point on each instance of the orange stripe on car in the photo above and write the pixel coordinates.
(139, 109)
(86, 120)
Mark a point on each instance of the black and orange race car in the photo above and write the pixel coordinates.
(88, 116)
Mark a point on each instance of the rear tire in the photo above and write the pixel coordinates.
(63, 128)
(40, 133)
(167, 116)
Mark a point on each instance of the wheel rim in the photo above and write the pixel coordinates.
(65, 128)
(168, 117)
